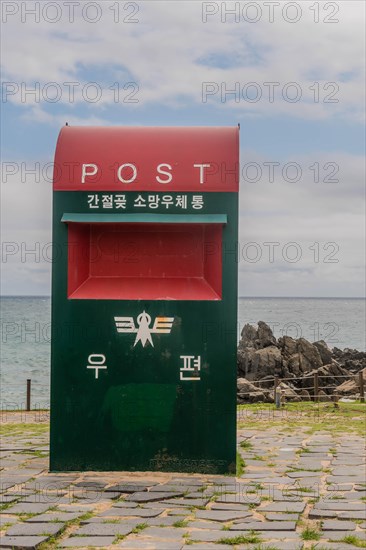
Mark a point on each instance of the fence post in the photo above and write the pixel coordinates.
(362, 389)
(276, 393)
(29, 383)
(316, 386)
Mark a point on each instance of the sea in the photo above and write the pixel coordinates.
(26, 328)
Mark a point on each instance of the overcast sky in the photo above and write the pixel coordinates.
(291, 73)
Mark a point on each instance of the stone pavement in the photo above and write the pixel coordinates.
(297, 491)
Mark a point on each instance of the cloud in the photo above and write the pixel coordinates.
(170, 53)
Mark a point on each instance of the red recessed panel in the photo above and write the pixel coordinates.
(145, 261)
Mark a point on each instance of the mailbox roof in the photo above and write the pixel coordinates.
(146, 148)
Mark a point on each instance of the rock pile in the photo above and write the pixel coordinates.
(261, 357)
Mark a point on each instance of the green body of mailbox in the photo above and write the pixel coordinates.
(144, 300)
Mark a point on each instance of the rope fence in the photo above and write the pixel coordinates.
(270, 383)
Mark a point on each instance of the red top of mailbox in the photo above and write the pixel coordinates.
(147, 159)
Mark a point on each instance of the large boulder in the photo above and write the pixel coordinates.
(262, 357)
(330, 376)
(309, 356)
(245, 358)
(351, 387)
(300, 355)
(257, 354)
(265, 362)
(288, 346)
(249, 393)
(245, 386)
(294, 365)
(352, 359)
(324, 351)
(248, 337)
(265, 336)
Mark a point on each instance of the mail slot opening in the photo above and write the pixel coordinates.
(150, 261)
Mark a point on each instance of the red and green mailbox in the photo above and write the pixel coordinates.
(144, 299)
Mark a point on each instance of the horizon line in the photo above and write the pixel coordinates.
(240, 297)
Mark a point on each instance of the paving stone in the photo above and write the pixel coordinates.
(127, 512)
(229, 506)
(188, 501)
(26, 529)
(354, 495)
(5, 499)
(130, 487)
(340, 487)
(309, 465)
(100, 542)
(302, 474)
(335, 525)
(83, 507)
(338, 505)
(178, 512)
(318, 448)
(320, 514)
(345, 480)
(279, 535)
(207, 546)
(166, 521)
(238, 499)
(210, 535)
(339, 535)
(283, 507)
(28, 508)
(265, 479)
(201, 524)
(289, 495)
(166, 488)
(163, 505)
(279, 545)
(308, 482)
(109, 495)
(88, 494)
(54, 516)
(221, 515)
(164, 532)
(150, 496)
(356, 514)
(45, 498)
(272, 516)
(7, 520)
(105, 529)
(199, 494)
(97, 485)
(98, 519)
(189, 481)
(223, 480)
(151, 545)
(25, 543)
(124, 504)
(348, 460)
(346, 471)
(333, 546)
(265, 526)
